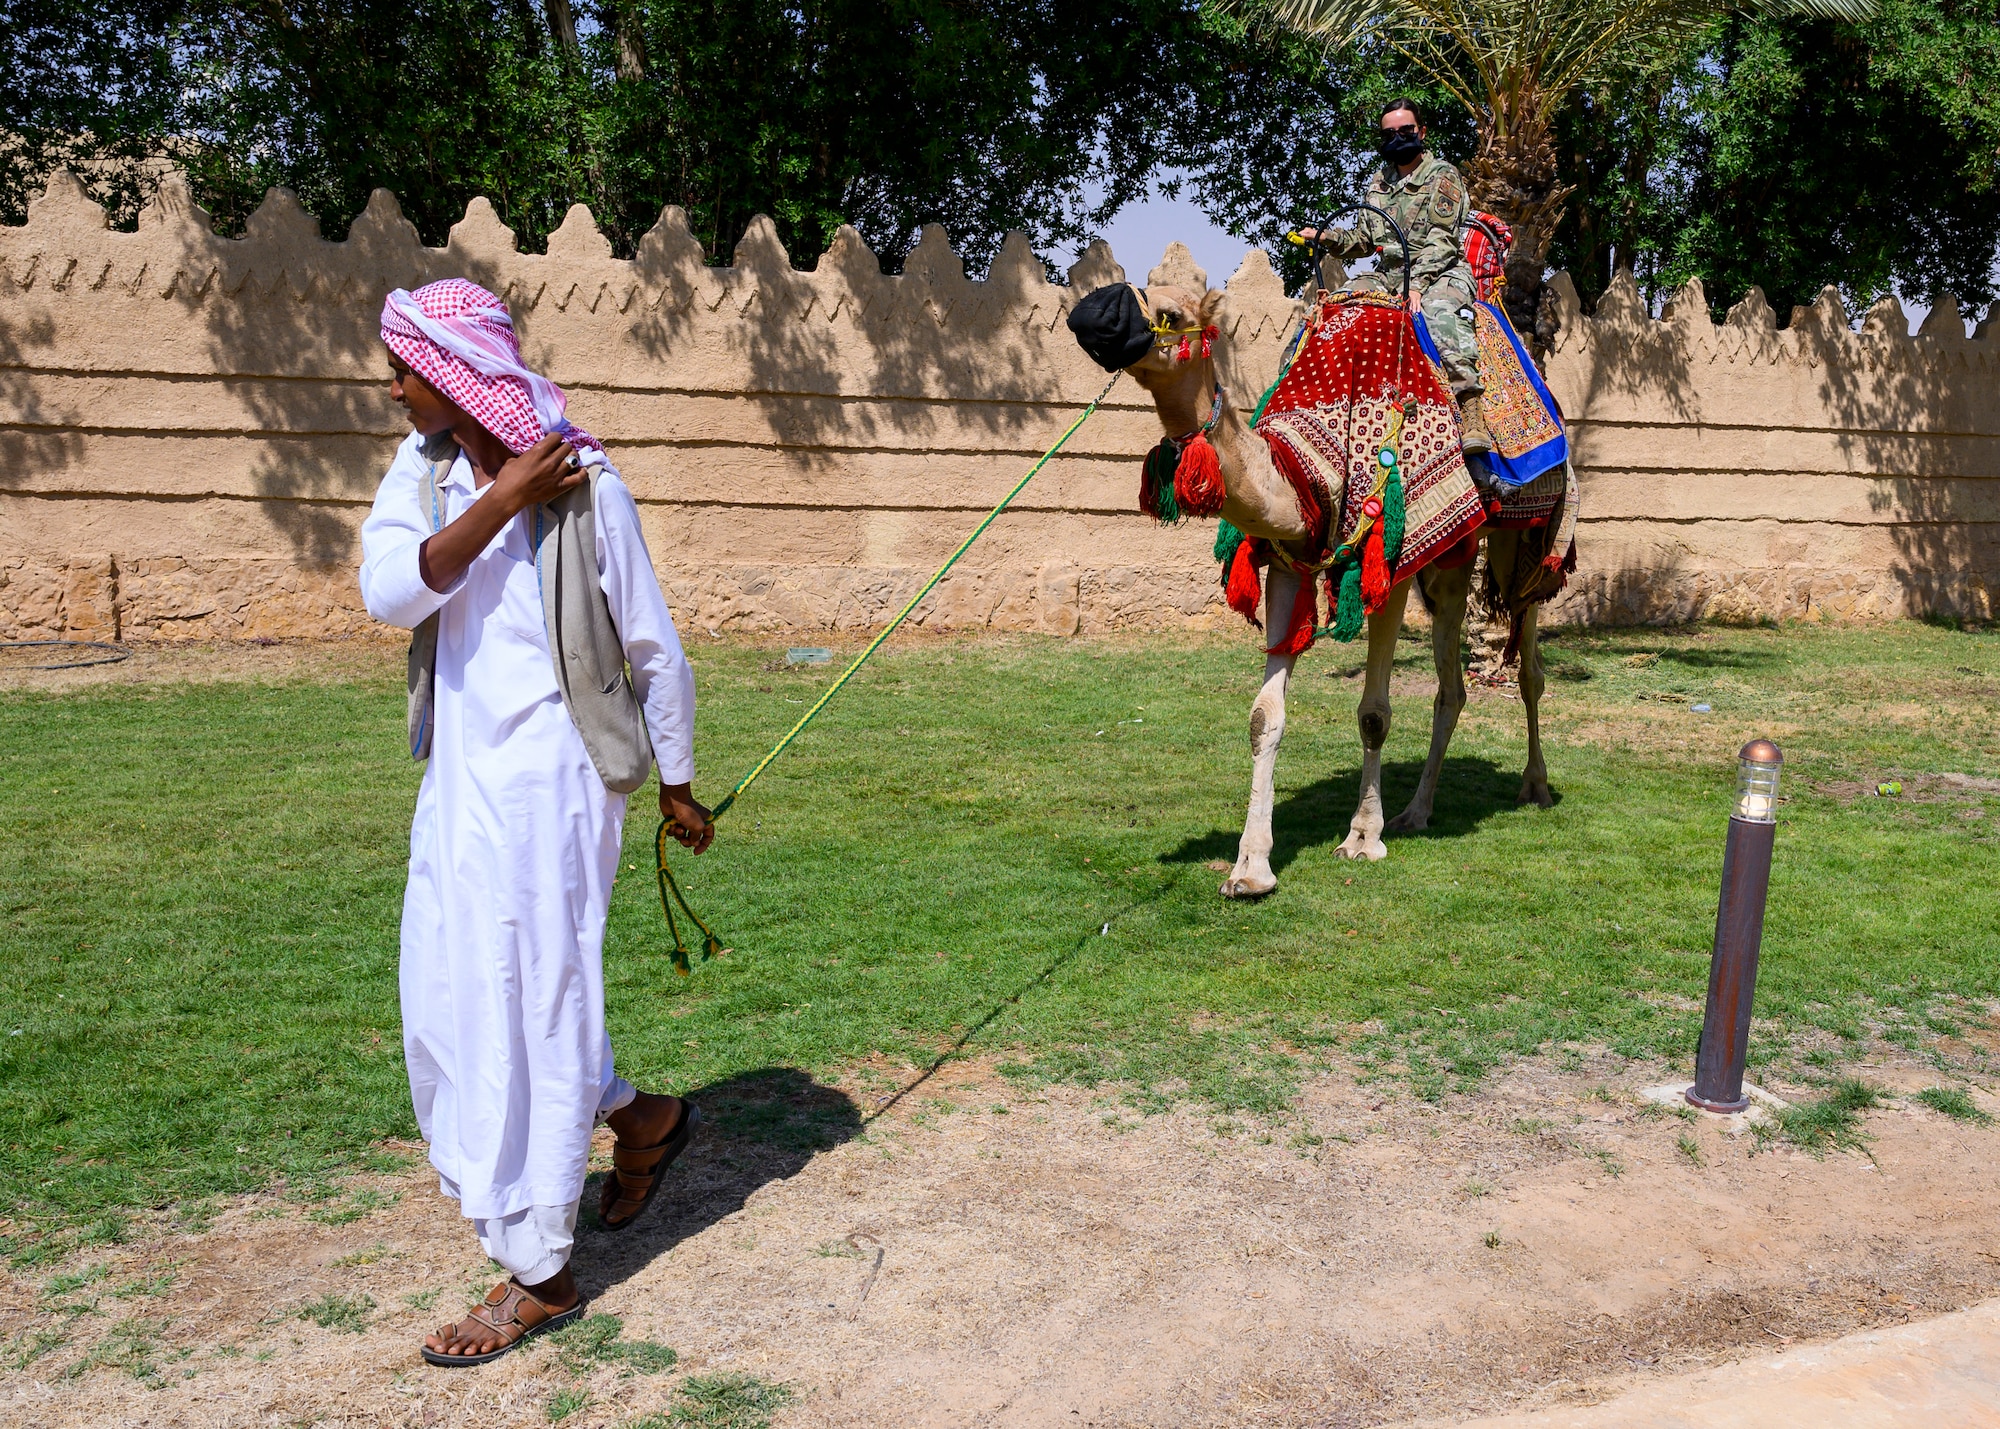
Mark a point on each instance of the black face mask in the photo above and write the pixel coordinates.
(1398, 147)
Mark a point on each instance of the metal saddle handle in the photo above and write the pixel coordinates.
(1315, 247)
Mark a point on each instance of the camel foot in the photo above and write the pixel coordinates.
(1411, 821)
(1249, 883)
(1359, 845)
(1535, 790)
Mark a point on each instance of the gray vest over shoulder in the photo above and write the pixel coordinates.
(589, 657)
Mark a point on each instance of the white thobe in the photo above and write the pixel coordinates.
(514, 847)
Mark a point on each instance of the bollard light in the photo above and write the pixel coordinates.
(1739, 931)
(1757, 766)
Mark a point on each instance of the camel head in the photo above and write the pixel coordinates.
(1163, 336)
(1181, 360)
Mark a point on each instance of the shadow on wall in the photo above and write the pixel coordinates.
(1871, 457)
(838, 357)
(1658, 591)
(929, 337)
(1919, 412)
(39, 441)
(1631, 361)
(321, 458)
(225, 390)
(815, 429)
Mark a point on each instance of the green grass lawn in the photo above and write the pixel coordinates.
(198, 912)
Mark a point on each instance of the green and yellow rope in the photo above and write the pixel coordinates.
(670, 893)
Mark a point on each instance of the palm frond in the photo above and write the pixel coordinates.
(1524, 51)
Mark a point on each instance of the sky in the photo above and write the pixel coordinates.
(1141, 232)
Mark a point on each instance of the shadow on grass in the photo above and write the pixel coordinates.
(1652, 639)
(1722, 659)
(1013, 999)
(1471, 790)
(759, 1126)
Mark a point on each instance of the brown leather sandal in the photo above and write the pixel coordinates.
(511, 1312)
(636, 1172)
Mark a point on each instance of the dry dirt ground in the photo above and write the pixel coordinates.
(970, 1252)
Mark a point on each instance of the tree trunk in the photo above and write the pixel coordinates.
(562, 25)
(629, 26)
(1514, 177)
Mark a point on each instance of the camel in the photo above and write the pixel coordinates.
(1260, 502)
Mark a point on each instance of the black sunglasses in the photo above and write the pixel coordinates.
(1406, 129)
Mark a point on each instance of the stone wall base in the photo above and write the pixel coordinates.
(102, 597)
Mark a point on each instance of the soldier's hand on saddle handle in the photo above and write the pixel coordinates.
(1340, 242)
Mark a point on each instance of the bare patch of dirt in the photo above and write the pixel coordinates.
(1053, 1258)
(1916, 788)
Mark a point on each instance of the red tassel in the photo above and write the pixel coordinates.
(1181, 352)
(1374, 571)
(1198, 478)
(1208, 336)
(1242, 589)
(1305, 615)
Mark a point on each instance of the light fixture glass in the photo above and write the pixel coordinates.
(1757, 782)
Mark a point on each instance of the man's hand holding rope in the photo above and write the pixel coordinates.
(692, 826)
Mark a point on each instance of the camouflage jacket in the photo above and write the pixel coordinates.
(1429, 205)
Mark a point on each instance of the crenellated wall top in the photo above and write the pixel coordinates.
(596, 313)
(759, 322)
(1817, 336)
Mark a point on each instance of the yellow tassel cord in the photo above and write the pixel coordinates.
(670, 893)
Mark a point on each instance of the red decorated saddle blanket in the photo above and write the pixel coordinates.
(1327, 420)
(1364, 431)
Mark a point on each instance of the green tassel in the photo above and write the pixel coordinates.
(1392, 517)
(1349, 616)
(670, 894)
(1161, 462)
(1227, 539)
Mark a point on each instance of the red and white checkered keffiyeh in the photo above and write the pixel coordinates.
(460, 338)
(1487, 259)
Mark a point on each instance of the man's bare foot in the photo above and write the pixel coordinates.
(473, 1336)
(646, 1120)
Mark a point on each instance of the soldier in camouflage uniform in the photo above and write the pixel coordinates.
(1428, 199)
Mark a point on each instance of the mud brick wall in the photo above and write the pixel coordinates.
(192, 427)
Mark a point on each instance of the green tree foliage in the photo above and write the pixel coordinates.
(1289, 134)
(1792, 154)
(1783, 152)
(435, 100)
(93, 97)
(981, 115)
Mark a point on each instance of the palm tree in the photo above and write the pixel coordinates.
(1514, 64)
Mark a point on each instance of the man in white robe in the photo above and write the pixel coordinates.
(516, 839)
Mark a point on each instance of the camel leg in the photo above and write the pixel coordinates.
(1364, 835)
(1449, 591)
(1535, 779)
(1503, 548)
(1252, 877)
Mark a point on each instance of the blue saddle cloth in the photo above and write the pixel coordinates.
(1529, 439)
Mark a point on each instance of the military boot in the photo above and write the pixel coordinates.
(1472, 433)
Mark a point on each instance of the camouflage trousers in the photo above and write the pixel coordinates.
(1447, 307)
